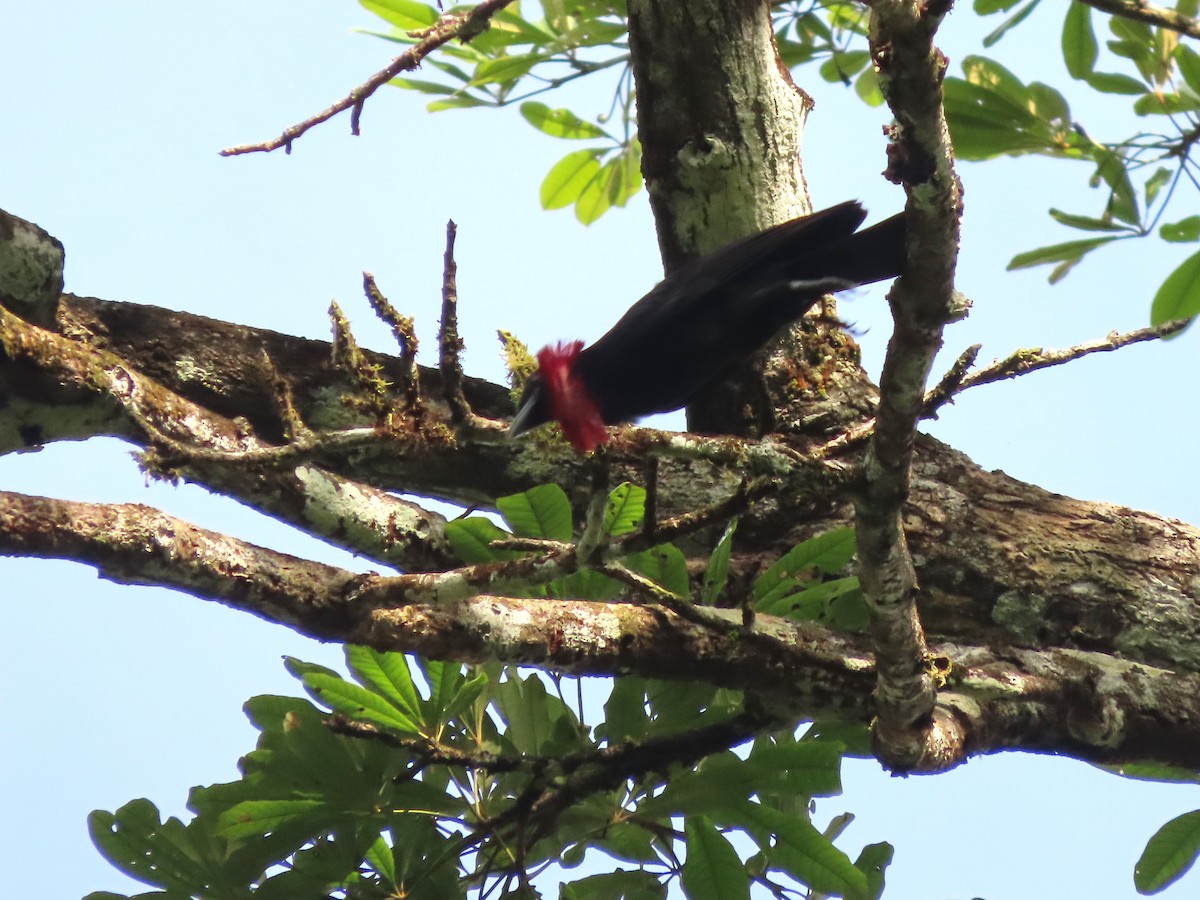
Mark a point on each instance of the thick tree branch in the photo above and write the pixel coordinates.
(1082, 703)
(463, 26)
(923, 301)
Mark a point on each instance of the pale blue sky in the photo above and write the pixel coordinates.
(113, 117)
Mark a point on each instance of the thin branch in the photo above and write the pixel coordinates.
(451, 25)
(1022, 362)
(1142, 11)
(450, 345)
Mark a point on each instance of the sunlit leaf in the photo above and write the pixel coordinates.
(1079, 47)
(569, 177)
(1179, 296)
(1010, 23)
(1169, 854)
(1085, 223)
(540, 512)
(407, 15)
(559, 123)
(1183, 231)
(1070, 250)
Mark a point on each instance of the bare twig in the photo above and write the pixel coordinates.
(450, 345)
(451, 25)
(1142, 11)
(1022, 362)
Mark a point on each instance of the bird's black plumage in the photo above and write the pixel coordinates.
(698, 323)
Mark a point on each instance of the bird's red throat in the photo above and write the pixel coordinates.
(571, 403)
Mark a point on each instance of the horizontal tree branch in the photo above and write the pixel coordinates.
(1089, 705)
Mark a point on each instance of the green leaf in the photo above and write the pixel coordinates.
(357, 702)
(829, 552)
(1188, 61)
(471, 540)
(1179, 296)
(867, 87)
(625, 509)
(1155, 104)
(459, 101)
(712, 870)
(1153, 772)
(1183, 231)
(450, 690)
(1085, 223)
(801, 850)
(503, 69)
(388, 675)
(1115, 83)
(1010, 23)
(569, 177)
(873, 861)
(840, 66)
(1079, 47)
(540, 512)
(1156, 183)
(156, 853)
(623, 884)
(596, 198)
(717, 571)
(559, 123)
(407, 15)
(1068, 251)
(665, 565)
(535, 718)
(990, 7)
(255, 818)
(1169, 854)
(809, 604)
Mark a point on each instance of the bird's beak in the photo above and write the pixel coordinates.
(526, 417)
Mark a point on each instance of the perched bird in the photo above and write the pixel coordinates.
(692, 329)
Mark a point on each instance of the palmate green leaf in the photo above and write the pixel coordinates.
(388, 675)
(569, 177)
(712, 870)
(451, 691)
(1179, 296)
(1181, 232)
(407, 15)
(306, 816)
(559, 123)
(1169, 854)
(540, 512)
(1079, 46)
(135, 841)
(538, 722)
(716, 573)
(359, 703)
(800, 850)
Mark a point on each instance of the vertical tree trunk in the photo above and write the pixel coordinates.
(720, 121)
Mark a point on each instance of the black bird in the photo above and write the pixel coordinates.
(693, 328)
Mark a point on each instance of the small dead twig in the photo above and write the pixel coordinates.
(404, 331)
(450, 345)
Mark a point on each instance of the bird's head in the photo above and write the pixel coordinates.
(557, 391)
